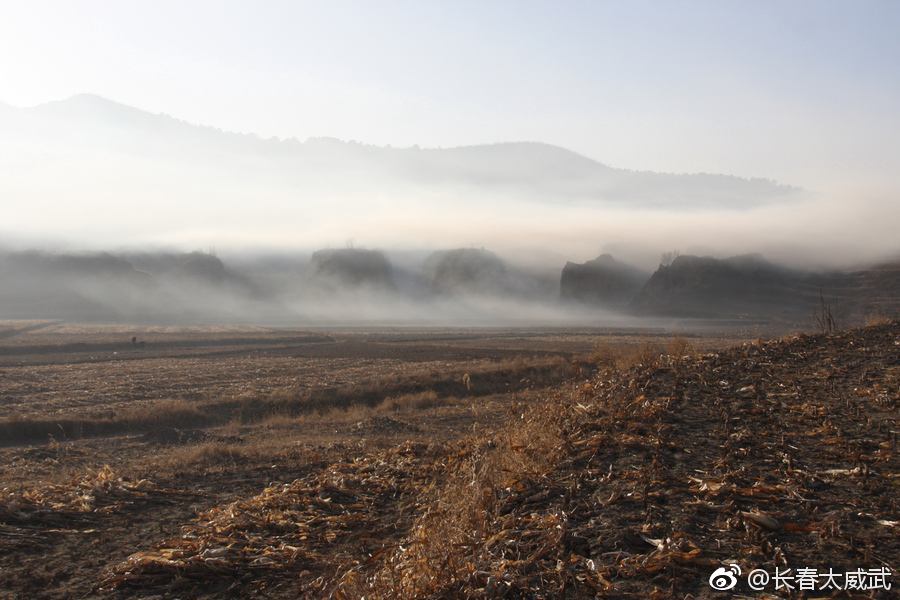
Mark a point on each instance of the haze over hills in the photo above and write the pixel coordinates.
(144, 187)
(449, 299)
(454, 286)
(90, 173)
(104, 129)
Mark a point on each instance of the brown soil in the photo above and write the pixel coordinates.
(287, 503)
(775, 455)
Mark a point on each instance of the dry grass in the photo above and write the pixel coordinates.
(419, 401)
(231, 437)
(457, 523)
(405, 403)
(212, 454)
(823, 316)
(469, 541)
(460, 514)
(620, 357)
(680, 347)
(162, 413)
(877, 319)
(347, 414)
(487, 378)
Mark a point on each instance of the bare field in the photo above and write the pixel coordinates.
(110, 445)
(65, 369)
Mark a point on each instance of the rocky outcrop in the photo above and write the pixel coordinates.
(602, 281)
(469, 270)
(352, 267)
(752, 287)
(202, 267)
(740, 286)
(69, 286)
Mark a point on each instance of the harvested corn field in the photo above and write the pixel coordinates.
(114, 437)
(770, 456)
(635, 471)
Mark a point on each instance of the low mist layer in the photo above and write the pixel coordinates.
(463, 286)
(88, 173)
(103, 199)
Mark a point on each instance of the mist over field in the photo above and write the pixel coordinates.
(142, 192)
(449, 299)
(132, 179)
(200, 177)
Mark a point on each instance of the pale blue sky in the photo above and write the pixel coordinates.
(807, 92)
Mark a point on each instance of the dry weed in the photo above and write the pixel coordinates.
(877, 319)
(211, 454)
(623, 357)
(458, 519)
(680, 347)
(420, 401)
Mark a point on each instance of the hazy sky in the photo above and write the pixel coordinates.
(803, 91)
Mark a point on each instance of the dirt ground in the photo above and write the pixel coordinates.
(75, 508)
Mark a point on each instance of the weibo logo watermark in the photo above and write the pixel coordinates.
(724, 578)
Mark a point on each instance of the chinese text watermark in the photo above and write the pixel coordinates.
(804, 578)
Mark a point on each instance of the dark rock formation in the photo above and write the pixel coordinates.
(70, 286)
(603, 281)
(469, 270)
(201, 266)
(353, 267)
(749, 286)
(741, 286)
(45, 264)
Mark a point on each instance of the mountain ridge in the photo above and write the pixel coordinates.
(549, 171)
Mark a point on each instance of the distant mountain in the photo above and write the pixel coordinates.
(95, 129)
